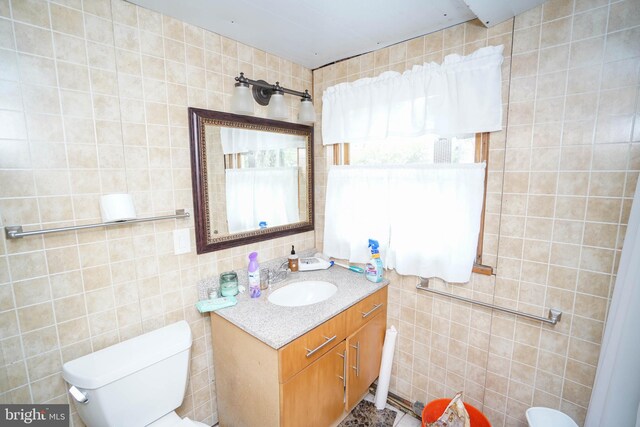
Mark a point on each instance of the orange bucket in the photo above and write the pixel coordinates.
(435, 408)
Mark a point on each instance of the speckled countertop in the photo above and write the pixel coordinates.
(275, 325)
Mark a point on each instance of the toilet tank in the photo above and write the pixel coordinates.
(135, 382)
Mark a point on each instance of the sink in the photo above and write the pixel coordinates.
(299, 294)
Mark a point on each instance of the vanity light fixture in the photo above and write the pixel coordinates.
(272, 95)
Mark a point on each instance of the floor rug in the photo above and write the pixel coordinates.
(365, 414)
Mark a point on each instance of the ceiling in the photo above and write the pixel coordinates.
(314, 33)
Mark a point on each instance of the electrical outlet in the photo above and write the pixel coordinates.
(181, 241)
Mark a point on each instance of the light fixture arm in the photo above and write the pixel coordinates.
(269, 88)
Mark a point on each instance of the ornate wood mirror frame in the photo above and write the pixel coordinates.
(203, 123)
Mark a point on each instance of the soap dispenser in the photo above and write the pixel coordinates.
(293, 260)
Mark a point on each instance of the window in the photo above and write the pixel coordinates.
(424, 150)
(428, 149)
(272, 158)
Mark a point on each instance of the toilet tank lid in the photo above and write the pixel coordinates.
(117, 361)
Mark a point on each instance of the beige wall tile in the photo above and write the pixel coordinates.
(65, 284)
(620, 45)
(40, 341)
(48, 388)
(551, 85)
(589, 24)
(597, 259)
(566, 231)
(44, 365)
(587, 52)
(555, 32)
(6, 297)
(35, 317)
(70, 308)
(9, 326)
(579, 132)
(31, 11)
(67, 20)
(555, 9)
(603, 209)
(553, 59)
(30, 292)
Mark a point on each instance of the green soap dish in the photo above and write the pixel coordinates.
(208, 305)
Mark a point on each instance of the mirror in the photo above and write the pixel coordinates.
(252, 178)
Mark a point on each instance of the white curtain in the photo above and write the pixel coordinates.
(255, 195)
(356, 210)
(426, 218)
(460, 96)
(615, 398)
(244, 140)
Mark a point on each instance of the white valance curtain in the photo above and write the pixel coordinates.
(255, 195)
(244, 140)
(426, 218)
(460, 96)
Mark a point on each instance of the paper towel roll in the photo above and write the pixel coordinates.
(117, 207)
(385, 367)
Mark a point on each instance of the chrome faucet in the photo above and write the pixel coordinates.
(280, 274)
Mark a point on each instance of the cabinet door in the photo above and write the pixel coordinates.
(315, 396)
(364, 352)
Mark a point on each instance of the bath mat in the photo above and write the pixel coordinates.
(365, 414)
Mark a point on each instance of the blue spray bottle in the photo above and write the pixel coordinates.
(373, 269)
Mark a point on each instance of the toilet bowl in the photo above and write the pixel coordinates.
(547, 417)
(138, 382)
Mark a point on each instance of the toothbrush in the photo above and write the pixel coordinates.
(348, 267)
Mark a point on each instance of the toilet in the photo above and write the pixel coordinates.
(138, 382)
(547, 417)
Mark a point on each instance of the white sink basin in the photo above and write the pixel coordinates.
(299, 294)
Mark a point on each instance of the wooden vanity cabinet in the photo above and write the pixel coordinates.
(258, 385)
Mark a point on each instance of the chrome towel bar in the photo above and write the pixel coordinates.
(553, 318)
(16, 232)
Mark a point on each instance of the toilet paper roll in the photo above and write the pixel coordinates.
(385, 367)
(117, 207)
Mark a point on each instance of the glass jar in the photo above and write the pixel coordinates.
(229, 284)
(264, 279)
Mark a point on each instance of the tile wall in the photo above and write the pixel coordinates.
(562, 174)
(93, 100)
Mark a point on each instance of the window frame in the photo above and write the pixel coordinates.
(341, 157)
